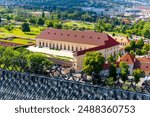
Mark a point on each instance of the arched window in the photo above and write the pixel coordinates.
(60, 46)
(40, 44)
(68, 47)
(76, 48)
(72, 48)
(50, 45)
(57, 46)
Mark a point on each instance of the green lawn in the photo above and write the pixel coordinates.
(119, 34)
(18, 32)
(20, 41)
(79, 24)
(3, 36)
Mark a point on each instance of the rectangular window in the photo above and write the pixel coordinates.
(40, 44)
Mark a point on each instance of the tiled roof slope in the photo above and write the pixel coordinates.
(143, 64)
(110, 42)
(128, 58)
(81, 37)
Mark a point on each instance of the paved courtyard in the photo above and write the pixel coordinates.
(65, 53)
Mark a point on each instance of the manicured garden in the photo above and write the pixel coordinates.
(16, 31)
(79, 24)
(20, 41)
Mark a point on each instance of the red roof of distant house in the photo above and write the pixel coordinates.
(80, 37)
(128, 58)
(5, 44)
(143, 64)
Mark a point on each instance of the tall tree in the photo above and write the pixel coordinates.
(38, 63)
(124, 71)
(93, 62)
(43, 14)
(112, 71)
(25, 27)
(111, 59)
(32, 20)
(48, 23)
(0, 19)
(140, 43)
(137, 75)
(99, 26)
(40, 21)
(133, 45)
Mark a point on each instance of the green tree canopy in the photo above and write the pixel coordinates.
(40, 21)
(32, 20)
(124, 71)
(111, 59)
(99, 26)
(25, 27)
(112, 71)
(49, 23)
(38, 63)
(140, 43)
(93, 62)
(137, 75)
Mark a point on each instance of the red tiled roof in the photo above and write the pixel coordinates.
(81, 37)
(110, 42)
(143, 64)
(5, 44)
(128, 58)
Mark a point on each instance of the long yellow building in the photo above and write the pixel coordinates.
(79, 42)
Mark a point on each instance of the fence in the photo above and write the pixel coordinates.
(23, 86)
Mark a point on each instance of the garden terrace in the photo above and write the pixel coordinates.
(10, 44)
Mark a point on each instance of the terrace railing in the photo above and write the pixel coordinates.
(72, 86)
